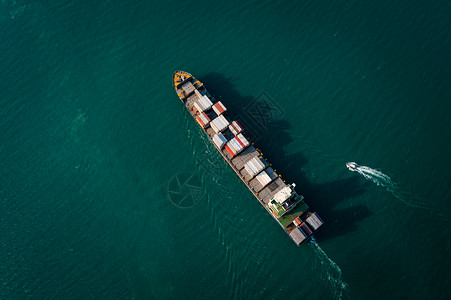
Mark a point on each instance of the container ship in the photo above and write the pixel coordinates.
(279, 199)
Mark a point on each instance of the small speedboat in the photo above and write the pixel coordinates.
(352, 166)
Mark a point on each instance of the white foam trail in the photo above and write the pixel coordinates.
(331, 271)
(375, 176)
(385, 181)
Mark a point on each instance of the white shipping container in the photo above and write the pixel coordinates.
(219, 140)
(232, 148)
(249, 170)
(206, 101)
(219, 123)
(199, 95)
(198, 107)
(202, 103)
(251, 161)
(263, 178)
(239, 147)
(257, 165)
(258, 162)
(254, 166)
(213, 125)
(224, 120)
(243, 139)
(236, 145)
(204, 118)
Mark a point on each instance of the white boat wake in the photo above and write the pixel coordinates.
(330, 272)
(374, 175)
(381, 179)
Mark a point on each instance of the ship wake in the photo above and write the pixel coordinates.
(330, 272)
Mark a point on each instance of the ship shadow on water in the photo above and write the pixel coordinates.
(263, 121)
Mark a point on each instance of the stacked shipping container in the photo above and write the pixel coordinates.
(203, 120)
(301, 232)
(197, 107)
(219, 124)
(298, 235)
(243, 141)
(203, 103)
(219, 108)
(306, 229)
(235, 128)
(314, 221)
(237, 145)
(219, 140)
(263, 178)
(254, 166)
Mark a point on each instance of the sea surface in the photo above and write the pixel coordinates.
(109, 189)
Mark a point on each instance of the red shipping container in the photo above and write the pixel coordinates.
(203, 120)
(229, 150)
(240, 142)
(219, 108)
(237, 126)
(200, 122)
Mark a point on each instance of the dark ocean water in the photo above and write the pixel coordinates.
(93, 140)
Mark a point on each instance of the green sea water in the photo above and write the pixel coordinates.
(97, 152)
